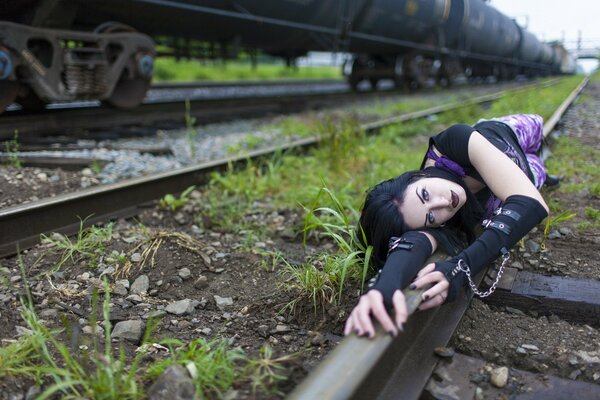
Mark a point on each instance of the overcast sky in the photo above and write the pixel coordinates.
(556, 19)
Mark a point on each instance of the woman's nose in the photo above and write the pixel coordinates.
(442, 202)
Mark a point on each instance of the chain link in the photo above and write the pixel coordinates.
(465, 268)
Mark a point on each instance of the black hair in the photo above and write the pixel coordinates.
(381, 217)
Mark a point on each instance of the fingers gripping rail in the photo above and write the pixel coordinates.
(385, 367)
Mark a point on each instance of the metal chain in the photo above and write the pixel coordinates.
(465, 268)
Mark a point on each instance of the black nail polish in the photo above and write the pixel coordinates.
(392, 334)
(413, 286)
(426, 297)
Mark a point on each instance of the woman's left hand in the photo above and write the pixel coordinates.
(437, 294)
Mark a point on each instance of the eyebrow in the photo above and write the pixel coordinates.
(420, 198)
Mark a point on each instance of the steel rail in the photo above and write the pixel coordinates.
(204, 110)
(386, 368)
(20, 226)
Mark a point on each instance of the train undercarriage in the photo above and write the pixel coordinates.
(113, 64)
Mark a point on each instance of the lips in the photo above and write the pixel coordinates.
(454, 199)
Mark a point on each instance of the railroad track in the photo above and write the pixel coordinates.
(21, 226)
(408, 368)
(382, 368)
(170, 109)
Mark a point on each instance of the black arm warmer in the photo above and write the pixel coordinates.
(518, 215)
(408, 255)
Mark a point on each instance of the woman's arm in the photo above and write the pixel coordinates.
(500, 173)
(400, 268)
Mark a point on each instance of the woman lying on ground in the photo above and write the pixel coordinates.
(489, 172)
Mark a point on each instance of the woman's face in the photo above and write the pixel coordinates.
(430, 202)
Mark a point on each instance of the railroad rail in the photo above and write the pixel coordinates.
(401, 368)
(77, 118)
(21, 226)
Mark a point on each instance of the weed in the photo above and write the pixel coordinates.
(12, 149)
(593, 214)
(89, 242)
(555, 221)
(173, 203)
(265, 372)
(212, 365)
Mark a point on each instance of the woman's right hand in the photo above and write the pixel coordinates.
(371, 304)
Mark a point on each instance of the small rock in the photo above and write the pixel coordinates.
(530, 347)
(499, 377)
(184, 273)
(263, 330)
(50, 313)
(532, 246)
(129, 330)
(201, 282)
(124, 282)
(575, 374)
(223, 302)
(136, 257)
(119, 289)
(134, 298)
(521, 350)
(140, 285)
(174, 384)
(596, 376)
(181, 307)
(22, 331)
(515, 311)
(90, 330)
(156, 314)
(282, 328)
(206, 331)
(517, 265)
(588, 357)
(565, 231)
(554, 235)
(444, 352)
(533, 262)
(479, 393)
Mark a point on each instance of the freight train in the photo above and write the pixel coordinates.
(65, 50)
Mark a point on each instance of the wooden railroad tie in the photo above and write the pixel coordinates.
(576, 300)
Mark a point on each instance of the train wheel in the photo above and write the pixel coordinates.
(8, 93)
(129, 92)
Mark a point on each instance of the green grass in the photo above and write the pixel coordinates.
(170, 70)
(89, 242)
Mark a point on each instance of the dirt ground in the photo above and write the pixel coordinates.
(221, 265)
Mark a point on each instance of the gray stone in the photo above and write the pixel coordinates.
(119, 289)
(124, 282)
(90, 330)
(521, 350)
(223, 302)
(575, 374)
(181, 307)
(532, 246)
(517, 265)
(50, 313)
(206, 331)
(515, 311)
(554, 235)
(156, 314)
(565, 231)
(263, 330)
(201, 282)
(140, 285)
(134, 298)
(531, 347)
(499, 377)
(130, 330)
(184, 273)
(282, 328)
(136, 257)
(173, 384)
(533, 262)
(588, 357)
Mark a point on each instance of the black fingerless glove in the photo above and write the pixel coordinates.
(406, 256)
(517, 216)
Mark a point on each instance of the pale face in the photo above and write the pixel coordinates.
(430, 202)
